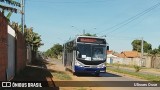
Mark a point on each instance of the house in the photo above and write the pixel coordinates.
(128, 58)
(110, 56)
(129, 54)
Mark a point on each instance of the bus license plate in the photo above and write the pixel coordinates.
(93, 66)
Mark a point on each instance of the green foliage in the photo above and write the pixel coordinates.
(88, 34)
(16, 26)
(137, 46)
(54, 51)
(155, 51)
(9, 16)
(31, 38)
(137, 68)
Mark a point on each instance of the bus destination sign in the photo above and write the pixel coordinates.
(91, 40)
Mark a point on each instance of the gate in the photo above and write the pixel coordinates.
(11, 53)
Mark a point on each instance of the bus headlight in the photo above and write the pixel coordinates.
(78, 64)
(101, 65)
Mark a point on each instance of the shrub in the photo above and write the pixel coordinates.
(137, 68)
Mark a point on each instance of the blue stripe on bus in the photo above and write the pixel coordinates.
(83, 69)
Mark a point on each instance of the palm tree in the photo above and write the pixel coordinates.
(33, 40)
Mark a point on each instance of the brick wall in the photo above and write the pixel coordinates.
(20, 51)
(3, 47)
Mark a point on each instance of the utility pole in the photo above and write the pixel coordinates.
(141, 51)
(22, 12)
(83, 31)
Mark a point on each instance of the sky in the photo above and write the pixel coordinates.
(122, 21)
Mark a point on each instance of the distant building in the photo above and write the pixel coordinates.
(129, 54)
(110, 56)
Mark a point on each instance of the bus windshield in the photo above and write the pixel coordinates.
(91, 52)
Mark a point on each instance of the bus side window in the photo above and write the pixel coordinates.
(78, 53)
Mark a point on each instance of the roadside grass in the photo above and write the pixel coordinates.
(61, 75)
(137, 74)
(124, 65)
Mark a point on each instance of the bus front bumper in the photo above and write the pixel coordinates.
(86, 69)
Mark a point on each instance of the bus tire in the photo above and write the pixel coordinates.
(74, 73)
(97, 74)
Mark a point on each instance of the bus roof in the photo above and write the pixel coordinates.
(91, 37)
(75, 39)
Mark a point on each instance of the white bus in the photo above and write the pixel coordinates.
(85, 54)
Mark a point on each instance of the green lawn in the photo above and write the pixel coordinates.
(137, 74)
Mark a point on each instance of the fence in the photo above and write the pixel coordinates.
(155, 62)
(127, 61)
(146, 61)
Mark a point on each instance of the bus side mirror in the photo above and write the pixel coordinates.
(74, 47)
(107, 47)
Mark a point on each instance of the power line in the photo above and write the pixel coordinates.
(68, 2)
(119, 25)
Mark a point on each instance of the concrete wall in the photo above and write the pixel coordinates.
(148, 61)
(145, 62)
(11, 53)
(155, 62)
(127, 61)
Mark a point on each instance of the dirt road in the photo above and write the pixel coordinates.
(109, 76)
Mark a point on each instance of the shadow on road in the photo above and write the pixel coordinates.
(109, 75)
(93, 75)
(36, 72)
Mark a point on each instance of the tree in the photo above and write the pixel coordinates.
(159, 47)
(32, 39)
(88, 34)
(154, 52)
(54, 51)
(136, 44)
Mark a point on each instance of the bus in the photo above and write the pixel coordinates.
(85, 54)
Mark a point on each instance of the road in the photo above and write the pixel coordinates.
(104, 77)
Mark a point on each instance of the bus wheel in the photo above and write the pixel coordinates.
(74, 73)
(97, 74)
